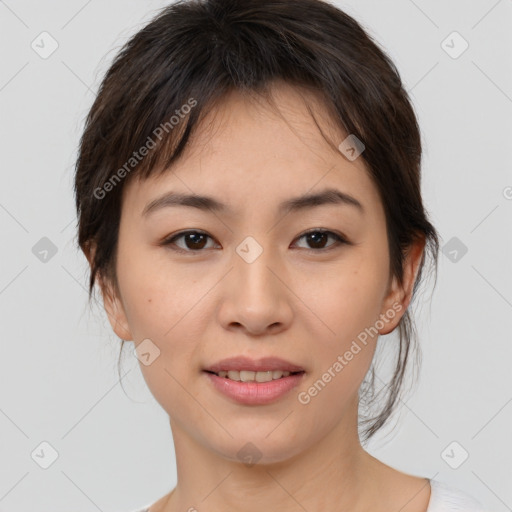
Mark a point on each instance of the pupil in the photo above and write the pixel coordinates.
(316, 235)
(194, 237)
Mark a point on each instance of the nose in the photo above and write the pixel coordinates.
(255, 296)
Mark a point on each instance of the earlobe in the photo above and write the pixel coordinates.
(115, 312)
(111, 302)
(393, 308)
(400, 295)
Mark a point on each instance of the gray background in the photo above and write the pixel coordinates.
(59, 382)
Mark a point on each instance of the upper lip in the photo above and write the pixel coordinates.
(256, 365)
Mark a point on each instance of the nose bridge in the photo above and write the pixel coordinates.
(252, 267)
(255, 296)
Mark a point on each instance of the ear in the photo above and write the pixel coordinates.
(399, 296)
(111, 301)
(115, 310)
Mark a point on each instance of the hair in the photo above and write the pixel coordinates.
(189, 57)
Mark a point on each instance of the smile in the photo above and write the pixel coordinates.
(250, 376)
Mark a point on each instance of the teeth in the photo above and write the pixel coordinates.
(247, 376)
(262, 376)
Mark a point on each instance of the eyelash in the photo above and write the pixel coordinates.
(340, 240)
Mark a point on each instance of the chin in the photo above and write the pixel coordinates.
(260, 449)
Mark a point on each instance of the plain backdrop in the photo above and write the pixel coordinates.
(107, 444)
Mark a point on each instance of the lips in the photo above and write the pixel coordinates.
(246, 384)
(252, 392)
(241, 363)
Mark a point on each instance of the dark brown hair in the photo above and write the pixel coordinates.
(194, 53)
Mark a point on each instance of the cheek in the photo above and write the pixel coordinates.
(137, 284)
(349, 306)
(160, 307)
(350, 297)
(153, 294)
(166, 305)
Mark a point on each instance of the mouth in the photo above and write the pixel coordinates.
(249, 381)
(253, 376)
(245, 369)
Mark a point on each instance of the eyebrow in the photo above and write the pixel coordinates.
(204, 203)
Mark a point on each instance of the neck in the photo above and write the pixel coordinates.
(334, 473)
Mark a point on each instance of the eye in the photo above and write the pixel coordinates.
(318, 237)
(195, 241)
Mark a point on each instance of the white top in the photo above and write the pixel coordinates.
(443, 498)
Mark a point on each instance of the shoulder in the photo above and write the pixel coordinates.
(446, 498)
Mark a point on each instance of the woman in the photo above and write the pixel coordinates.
(248, 191)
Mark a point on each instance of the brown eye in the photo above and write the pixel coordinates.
(318, 238)
(194, 241)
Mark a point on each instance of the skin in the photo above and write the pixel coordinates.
(292, 302)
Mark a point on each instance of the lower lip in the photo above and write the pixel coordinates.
(255, 393)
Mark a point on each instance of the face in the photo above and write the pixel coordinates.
(250, 281)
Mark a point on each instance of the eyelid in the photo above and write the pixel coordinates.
(339, 237)
(169, 240)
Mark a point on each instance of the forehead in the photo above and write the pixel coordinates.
(249, 152)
